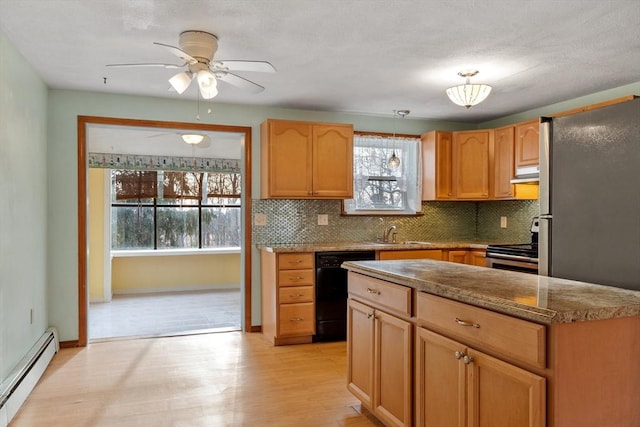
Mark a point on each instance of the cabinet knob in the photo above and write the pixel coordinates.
(458, 355)
(467, 359)
(371, 315)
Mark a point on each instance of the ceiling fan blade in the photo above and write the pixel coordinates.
(240, 82)
(257, 66)
(148, 64)
(179, 53)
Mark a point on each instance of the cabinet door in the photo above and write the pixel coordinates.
(333, 161)
(471, 164)
(503, 163)
(393, 370)
(287, 159)
(440, 381)
(436, 166)
(501, 394)
(458, 256)
(360, 339)
(478, 258)
(528, 143)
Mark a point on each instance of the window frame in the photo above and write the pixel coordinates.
(154, 204)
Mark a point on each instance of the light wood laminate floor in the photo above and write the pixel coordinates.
(217, 379)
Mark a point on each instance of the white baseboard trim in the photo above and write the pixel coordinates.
(162, 289)
(22, 380)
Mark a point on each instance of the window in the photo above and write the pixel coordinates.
(379, 188)
(168, 210)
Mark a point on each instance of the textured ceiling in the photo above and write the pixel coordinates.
(356, 56)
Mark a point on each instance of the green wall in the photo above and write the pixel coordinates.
(23, 207)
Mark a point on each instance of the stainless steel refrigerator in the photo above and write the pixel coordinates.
(590, 196)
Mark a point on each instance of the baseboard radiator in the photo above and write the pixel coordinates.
(21, 381)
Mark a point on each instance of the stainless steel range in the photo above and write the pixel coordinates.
(516, 257)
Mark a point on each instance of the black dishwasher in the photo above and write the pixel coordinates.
(331, 293)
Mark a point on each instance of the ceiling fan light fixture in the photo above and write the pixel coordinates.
(192, 138)
(208, 84)
(180, 82)
(468, 95)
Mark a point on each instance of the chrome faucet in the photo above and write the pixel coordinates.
(388, 232)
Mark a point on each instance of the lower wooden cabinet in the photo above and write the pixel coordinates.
(288, 297)
(411, 254)
(458, 386)
(471, 257)
(380, 360)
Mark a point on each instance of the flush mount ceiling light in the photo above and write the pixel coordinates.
(467, 95)
(192, 138)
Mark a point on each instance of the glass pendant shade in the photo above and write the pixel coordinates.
(208, 84)
(468, 95)
(180, 82)
(394, 161)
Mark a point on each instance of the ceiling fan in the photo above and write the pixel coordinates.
(197, 49)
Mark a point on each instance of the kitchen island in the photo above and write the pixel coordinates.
(438, 343)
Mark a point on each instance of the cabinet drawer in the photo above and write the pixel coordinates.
(295, 261)
(297, 319)
(483, 328)
(295, 294)
(382, 294)
(295, 277)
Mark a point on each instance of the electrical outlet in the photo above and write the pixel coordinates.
(323, 219)
(260, 219)
(503, 222)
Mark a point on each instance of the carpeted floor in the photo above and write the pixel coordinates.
(170, 313)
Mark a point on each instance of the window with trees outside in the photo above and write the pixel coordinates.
(155, 209)
(381, 186)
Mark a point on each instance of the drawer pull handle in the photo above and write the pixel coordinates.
(465, 323)
(296, 295)
(467, 359)
(298, 261)
(373, 291)
(458, 355)
(295, 278)
(296, 319)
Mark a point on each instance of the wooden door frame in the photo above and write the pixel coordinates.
(83, 121)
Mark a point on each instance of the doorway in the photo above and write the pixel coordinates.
(86, 127)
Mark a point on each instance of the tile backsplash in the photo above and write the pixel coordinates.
(296, 221)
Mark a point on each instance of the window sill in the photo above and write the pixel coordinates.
(175, 252)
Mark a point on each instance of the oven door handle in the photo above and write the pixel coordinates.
(513, 257)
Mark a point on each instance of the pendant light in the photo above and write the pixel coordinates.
(394, 161)
(468, 95)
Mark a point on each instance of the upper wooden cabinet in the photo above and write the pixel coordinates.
(527, 143)
(502, 162)
(436, 166)
(470, 160)
(306, 160)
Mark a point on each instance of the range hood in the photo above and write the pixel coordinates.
(527, 175)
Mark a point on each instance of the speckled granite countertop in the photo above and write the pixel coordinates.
(368, 246)
(538, 298)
